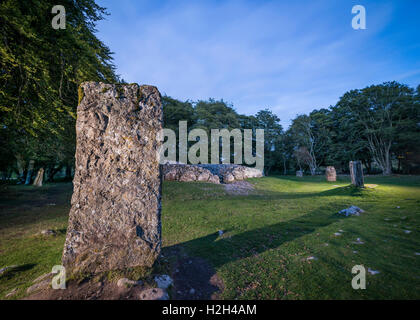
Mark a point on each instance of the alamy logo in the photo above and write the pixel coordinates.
(359, 20)
(59, 20)
(59, 281)
(359, 280)
(243, 150)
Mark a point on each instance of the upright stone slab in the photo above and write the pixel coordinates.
(356, 174)
(39, 178)
(299, 173)
(330, 173)
(114, 219)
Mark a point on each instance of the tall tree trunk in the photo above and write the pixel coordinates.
(29, 173)
(312, 168)
(388, 165)
(68, 172)
(52, 172)
(20, 164)
(284, 166)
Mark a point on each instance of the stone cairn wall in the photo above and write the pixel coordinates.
(186, 173)
(213, 173)
(356, 174)
(330, 173)
(114, 219)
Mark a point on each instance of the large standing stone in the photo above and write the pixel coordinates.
(356, 174)
(114, 219)
(330, 173)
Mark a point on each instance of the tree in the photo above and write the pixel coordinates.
(303, 136)
(381, 110)
(40, 71)
(273, 132)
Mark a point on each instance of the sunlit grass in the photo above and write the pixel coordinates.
(268, 235)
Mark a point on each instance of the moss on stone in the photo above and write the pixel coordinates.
(120, 91)
(80, 93)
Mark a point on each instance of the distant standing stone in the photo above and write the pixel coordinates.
(39, 178)
(356, 174)
(331, 174)
(114, 219)
(299, 173)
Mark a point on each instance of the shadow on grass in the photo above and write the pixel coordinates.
(12, 272)
(347, 191)
(222, 250)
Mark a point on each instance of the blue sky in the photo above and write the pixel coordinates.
(288, 56)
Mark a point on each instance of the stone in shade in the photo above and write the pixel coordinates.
(356, 174)
(114, 219)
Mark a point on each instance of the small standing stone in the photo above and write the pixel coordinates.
(331, 174)
(48, 232)
(163, 281)
(356, 174)
(299, 173)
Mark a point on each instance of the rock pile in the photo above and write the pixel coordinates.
(187, 173)
(351, 211)
(213, 173)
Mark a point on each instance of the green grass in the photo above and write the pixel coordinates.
(268, 235)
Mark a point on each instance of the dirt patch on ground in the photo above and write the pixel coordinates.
(193, 279)
(242, 188)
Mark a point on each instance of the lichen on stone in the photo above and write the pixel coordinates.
(80, 93)
(117, 183)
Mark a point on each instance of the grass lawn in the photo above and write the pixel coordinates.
(268, 235)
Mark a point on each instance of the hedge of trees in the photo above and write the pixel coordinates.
(379, 125)
(41, 68)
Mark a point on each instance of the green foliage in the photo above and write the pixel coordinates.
(41, 69)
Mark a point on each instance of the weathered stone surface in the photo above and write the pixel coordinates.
(124, 282)
(229, 173)
(163, 281)
(114, 219)
(41, 285)
(299, 173)
(356, 174)
(48, 232)
(331, 174)
(351, 211)
(153, 294)
(39, 178)
(12, 293)
(187, 173)
(213, 173)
